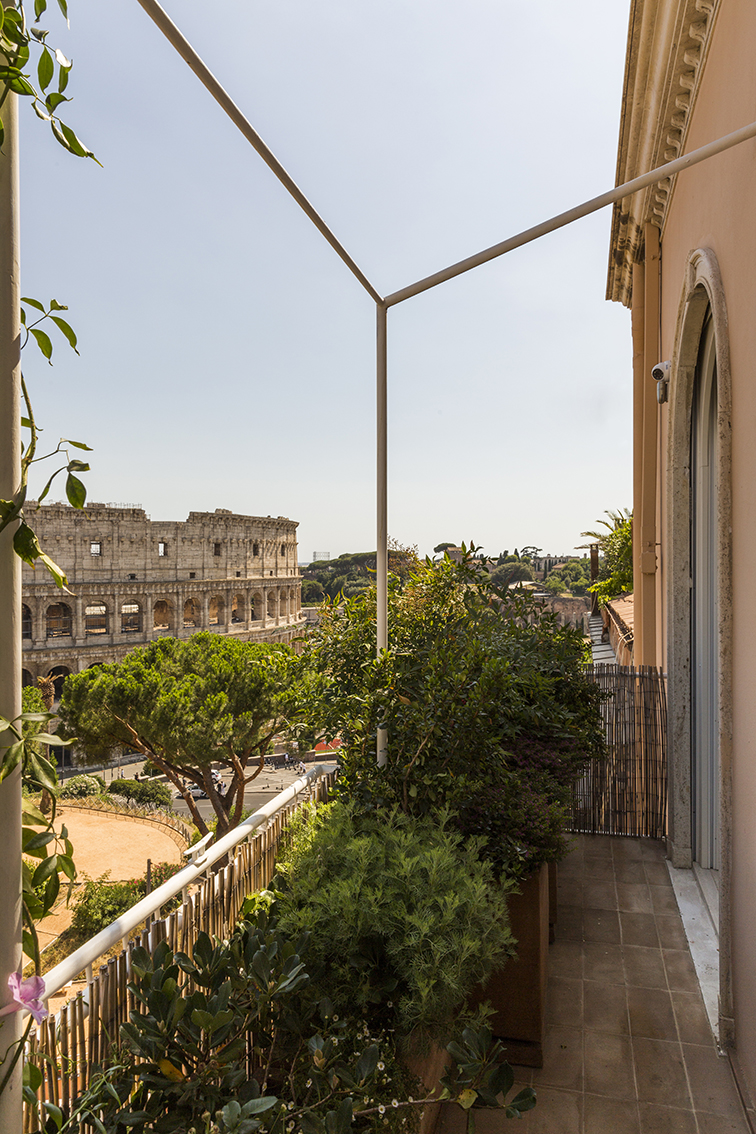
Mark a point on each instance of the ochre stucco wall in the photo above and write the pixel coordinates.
(714, 206)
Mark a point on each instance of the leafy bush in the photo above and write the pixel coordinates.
(144, 792)
(400, 911)
(182, 1064)
(473, 677)
(100, 902)
(79, 787)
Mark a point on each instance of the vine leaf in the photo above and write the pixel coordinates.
(43, 342)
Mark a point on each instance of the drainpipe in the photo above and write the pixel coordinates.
(10, 599)
(645, 527)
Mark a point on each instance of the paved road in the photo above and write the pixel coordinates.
(267, 785)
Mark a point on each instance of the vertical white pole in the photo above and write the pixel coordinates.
(382, 505)
(10, 600)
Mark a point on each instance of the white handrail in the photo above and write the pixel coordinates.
(59, 976)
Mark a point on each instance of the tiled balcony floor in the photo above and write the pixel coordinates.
(628, 1046)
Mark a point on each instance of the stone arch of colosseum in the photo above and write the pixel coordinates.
(134, 579)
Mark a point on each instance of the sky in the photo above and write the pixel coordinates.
(227, 354)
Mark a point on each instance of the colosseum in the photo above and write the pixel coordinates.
(134, 579)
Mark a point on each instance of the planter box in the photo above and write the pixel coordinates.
(517, 992)
(429, 1069)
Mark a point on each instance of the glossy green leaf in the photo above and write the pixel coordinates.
(63, 74)
(64, 8)
(55, 306)
(45, 67)
(47, 487)
(76, 492)
(11, 759)
(67, 64)
(78, 444)
(20, 85)
(53, 101)
(26, 423)
(32, 303)
(42, 339)
(26, 544)
(59, 576)
(67, 330)
(40, 6)
(40, 113)
(78, 466)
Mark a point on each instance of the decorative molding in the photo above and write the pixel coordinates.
(668, 42)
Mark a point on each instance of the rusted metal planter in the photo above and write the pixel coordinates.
(517, 991)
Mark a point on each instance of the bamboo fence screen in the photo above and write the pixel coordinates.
(68, 1047)
(625, 793)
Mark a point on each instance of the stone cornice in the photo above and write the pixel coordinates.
(668, 41)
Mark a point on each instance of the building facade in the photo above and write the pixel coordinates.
(134, 579)
(682, 258)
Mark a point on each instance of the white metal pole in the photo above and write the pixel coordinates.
(592, 206)
(381, 576)
(163, 21)
(10, 601)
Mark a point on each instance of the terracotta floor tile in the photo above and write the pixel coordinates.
(569, 923)
(671, 932)
(692, 1022)
(601, 925)
(556, 1112)
(639, 929)
(605, 1008)
(600, 868)
(603, 962)
(610, 1116)
(657, 873)
(566, 958)
(721, 1124)
(660, 1073)
(634, 897)
(598, 895)
(626, 848)
(570, 891)
(663, 899)
(644, 967)
(681, 972)
(665, 1120)
(629, 870)
(562, 1059)
(609, 1066)
(711, 1081)
(651, 1016)
(564, 1002)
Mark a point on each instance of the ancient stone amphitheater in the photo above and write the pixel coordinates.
(135, 579)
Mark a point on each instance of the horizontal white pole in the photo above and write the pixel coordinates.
(59, 976)
(592, 206)
(209, 81)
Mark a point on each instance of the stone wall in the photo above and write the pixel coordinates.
(135, 579)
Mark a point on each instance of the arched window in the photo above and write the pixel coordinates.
(256, 612)
(255, 549)
(237, 608)
(131, 618)
(272, 603)
(59, 622)
(216, 610)
(283, 549)
(59, 674)
(95, 619)
(161, 615)
(26, 678)
(26, 622)
(191, 613)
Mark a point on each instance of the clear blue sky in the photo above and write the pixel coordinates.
(227, 355)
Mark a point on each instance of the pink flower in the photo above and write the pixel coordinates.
(27, 994)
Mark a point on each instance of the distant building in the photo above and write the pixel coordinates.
(134, 579)
(320, 556)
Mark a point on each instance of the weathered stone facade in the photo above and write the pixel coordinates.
(134, 579)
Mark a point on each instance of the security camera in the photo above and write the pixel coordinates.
(660, 371)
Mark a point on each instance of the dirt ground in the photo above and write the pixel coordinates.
(103, 842)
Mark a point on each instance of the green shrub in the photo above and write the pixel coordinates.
(144, 792)
(402, 913)
(100, 902)
(79, 787)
